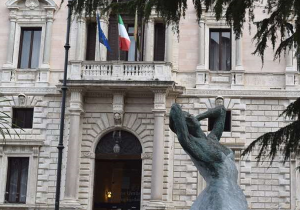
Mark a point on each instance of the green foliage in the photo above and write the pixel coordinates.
(5, 123)
(286, 140)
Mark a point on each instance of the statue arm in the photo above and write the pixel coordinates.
(199, 148)
(219, 114)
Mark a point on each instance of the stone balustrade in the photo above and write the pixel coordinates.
(120, 70)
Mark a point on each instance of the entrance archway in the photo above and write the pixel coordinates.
(118, 170)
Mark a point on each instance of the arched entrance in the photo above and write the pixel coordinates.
(118, 170)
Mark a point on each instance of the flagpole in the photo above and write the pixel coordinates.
(99, 40)
(118, 37)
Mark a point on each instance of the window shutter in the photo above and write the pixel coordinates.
(159, 42)
(91, 41)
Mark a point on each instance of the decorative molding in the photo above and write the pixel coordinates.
(118, 107)
(88, 155)
(50, 3)
(159, 99)
(146, 156)
(32, 3)
(29, 90)
(242, 93)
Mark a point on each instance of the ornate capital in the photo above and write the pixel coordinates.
(76, 101)
(160, 99)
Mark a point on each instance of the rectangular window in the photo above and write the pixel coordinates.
(132, 49)
(91, 41)
(17, 176)
(22, 118)
(220, 50)
(159, 42)
(227, 127)
(30, 43)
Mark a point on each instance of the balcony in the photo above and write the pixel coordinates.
(120, 71)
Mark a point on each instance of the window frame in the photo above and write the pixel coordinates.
(220, 30)
(31, 28)
(8, 179)
(14, 123)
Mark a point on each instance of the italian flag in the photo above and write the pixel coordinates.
(124, 40)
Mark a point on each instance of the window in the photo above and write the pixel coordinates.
(132, 54)
(220, 50)
(30, 43)
(227, 127)
(159, 42)
(132, 49)
(22, 117)
(17, 176)
(91, 41)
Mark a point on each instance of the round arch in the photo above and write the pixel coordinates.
(117, 171)
(119, 142)
(111, 129)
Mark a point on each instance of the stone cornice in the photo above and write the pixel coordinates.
(242, 93)
(28, 90)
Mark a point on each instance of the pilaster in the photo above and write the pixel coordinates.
(79, 54)
(70, 200)
(237, 74)
(47, 45)
(290, 71)
(149, 44)
(158, 151)
(202, 74)
(11, 39)
(169, 44)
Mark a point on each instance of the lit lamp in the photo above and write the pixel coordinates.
(108, 194)
(117, 138)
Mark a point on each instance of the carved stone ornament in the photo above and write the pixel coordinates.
(118, 118)
(32, 3)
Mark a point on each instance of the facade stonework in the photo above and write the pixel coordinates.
(106, 96)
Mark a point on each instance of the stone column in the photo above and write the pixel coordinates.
(237, 74)
(79, 55)
(201, 52)
(73, 155)
(149, 44)
(290, 71)
(202, 73)
(238, 58)
(48, 36)
(158, 150)
(11, 42)
(169, 44)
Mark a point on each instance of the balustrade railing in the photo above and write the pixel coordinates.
(118, 70)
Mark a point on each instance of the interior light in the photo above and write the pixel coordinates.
(109, 194)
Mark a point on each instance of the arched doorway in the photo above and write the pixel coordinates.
(118, 170)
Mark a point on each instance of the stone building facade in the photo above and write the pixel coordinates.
(113, 105)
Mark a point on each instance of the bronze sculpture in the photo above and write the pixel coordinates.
(214, 161)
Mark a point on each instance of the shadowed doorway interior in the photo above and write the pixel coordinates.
(118, 170)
